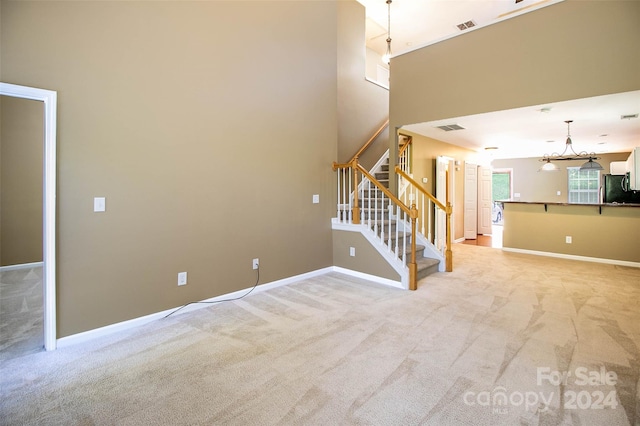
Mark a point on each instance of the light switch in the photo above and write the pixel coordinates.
(558, 193)
(99, 204)
(316, 198)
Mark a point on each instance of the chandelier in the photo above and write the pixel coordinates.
(386, 58)
(568, 155)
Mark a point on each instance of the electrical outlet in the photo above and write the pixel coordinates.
(316, 198)
(256, 263)
(182, 278)
(352, 251)
(568, 239)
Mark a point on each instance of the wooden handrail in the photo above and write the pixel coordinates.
(422, 190)
(388, 193)
(370, 141)
(448, 209)
(337, 166)
(405, 146)
(412, 212)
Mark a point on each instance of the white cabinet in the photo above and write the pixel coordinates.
(633, 167)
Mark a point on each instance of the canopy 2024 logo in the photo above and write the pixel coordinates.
(590, 398)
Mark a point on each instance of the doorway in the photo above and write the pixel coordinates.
(49, 101)
(480, 227)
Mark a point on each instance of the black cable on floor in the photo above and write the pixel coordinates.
(219, 301)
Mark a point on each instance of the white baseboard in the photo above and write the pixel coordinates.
(459, 240)
(136, 322)
(368, 277)
(21, 266)
(574, 257)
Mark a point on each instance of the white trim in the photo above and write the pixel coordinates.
(377, 83)
(369, 277)
(49, 98)
(21, 266)
(136, 322)
(337, 225)
(459, 240)
(574, 257)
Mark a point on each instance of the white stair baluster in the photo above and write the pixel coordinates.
(397, 217)
(404, 238)
(368, 205)
(346, 197)
(381, 216)
(375, 212)
(422, 214)
(386, 211)
(338, 192)
(429, 225)
(361, 190)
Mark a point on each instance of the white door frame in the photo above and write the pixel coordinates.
(485, 200)
(49, 218)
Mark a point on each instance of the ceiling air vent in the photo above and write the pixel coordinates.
(450, 127)
(466, 25)
(628, 117)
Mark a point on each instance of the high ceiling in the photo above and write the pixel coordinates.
(415, 23)
(524, 132)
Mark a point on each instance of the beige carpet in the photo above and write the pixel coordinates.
(21, 312)
(482, 345)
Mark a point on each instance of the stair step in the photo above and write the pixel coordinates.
(426, 267)
(419, 251)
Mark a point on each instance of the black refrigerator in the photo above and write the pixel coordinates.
(613, 190)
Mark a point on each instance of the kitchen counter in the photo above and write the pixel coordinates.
(550, 203)
(607, 233)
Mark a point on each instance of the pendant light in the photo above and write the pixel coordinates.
(569, 154)
(548, 166)
(591, 165)
(386, 58)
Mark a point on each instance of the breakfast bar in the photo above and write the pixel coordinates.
(607, 233)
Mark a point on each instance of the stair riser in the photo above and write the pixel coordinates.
(423, 273)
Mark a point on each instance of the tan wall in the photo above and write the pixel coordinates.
(367, 259)
(362, 106)
(208, 126)
(543, 186)
(614, 234)
(21, 153)
(425, 152)
(541, 57)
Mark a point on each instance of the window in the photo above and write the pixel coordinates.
(584, 186)
(501, 184)
(501, 190)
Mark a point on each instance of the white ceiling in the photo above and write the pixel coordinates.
(533, 131)
(517, 133)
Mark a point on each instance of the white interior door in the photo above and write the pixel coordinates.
(470, 201)
(485, 200)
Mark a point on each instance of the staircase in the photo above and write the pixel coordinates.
(376, 217)
(367, 205)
